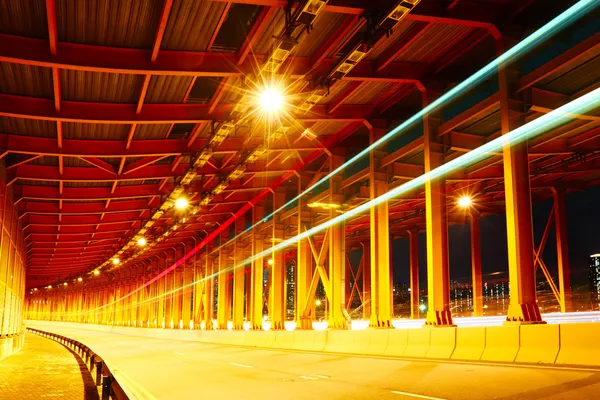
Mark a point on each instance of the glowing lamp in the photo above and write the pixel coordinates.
(79, 279)
(116, 261)
(271, 100)
(141, 242)
(465, 202)
(181, 203)
(96, 272)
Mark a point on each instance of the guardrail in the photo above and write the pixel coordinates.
(111, 389)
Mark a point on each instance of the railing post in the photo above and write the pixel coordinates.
(98, 373)
(106, 384)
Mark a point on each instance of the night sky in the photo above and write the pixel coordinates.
(583, 225)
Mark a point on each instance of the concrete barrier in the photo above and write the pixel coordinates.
(470, 343)
(320, 340)
(418, 342)
(442, 342)
(303, 340)
(284, 340)
(362, 341)
(267, 339)
(579, 344)
(501, 343)
(378, 341)
(340, 341)
(538, 344)
(397, 342)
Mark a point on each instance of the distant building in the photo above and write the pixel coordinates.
(595, 276)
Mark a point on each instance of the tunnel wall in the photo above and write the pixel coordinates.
(12, 273)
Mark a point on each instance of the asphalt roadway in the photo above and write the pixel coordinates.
(176, 369)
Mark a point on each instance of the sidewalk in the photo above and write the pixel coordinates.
(45, 369)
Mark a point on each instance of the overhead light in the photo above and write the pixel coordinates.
(79, 279)
(240, 108)
(465, 201)
(65, 283)
(271, 99)
(353, 57)
(279, 132)
(280, 53)
(257, 153)
(116, 261)
(220, 187)
(203, 158)
(237, 172)
(310, 11)
(35, 289)
(393, 17)
(141, 241)
(313, 99)
(270, 262)
(49, 286)
(309, 134)
(181, 203)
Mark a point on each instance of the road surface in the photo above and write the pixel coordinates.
(176, 369)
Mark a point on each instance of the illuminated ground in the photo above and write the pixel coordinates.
(174, 369)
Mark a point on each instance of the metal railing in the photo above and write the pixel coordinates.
(111, 389)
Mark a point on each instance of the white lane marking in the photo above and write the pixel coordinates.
(311, 378)
(420, 396)
(241, 365)
(179, 354)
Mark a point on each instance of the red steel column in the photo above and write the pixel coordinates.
(413, 244)
(238, 277)
(562, 250)
(337, 252)
(304, 265)
(476, 263)
(366, 279)
(523, 307)
(257, 273)
(381, 294)
(438, 274)
(277, 290)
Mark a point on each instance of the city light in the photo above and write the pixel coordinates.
(116, 261)
(318, 303)
(96, 272)
(422, 307)
(465, 201)
(270, 262)
(79, 279)
(141, 241)
(181, 203)
(271, 100)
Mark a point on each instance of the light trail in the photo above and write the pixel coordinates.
(581, 105)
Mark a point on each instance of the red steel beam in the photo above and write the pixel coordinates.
(141, 163)
(339, 38)
(162, 25)
(345, 94)
(103, 165)
(404, 42)
(28, 51)
(120, 113)
(85, 208)
(259, 26)
(85, 193)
